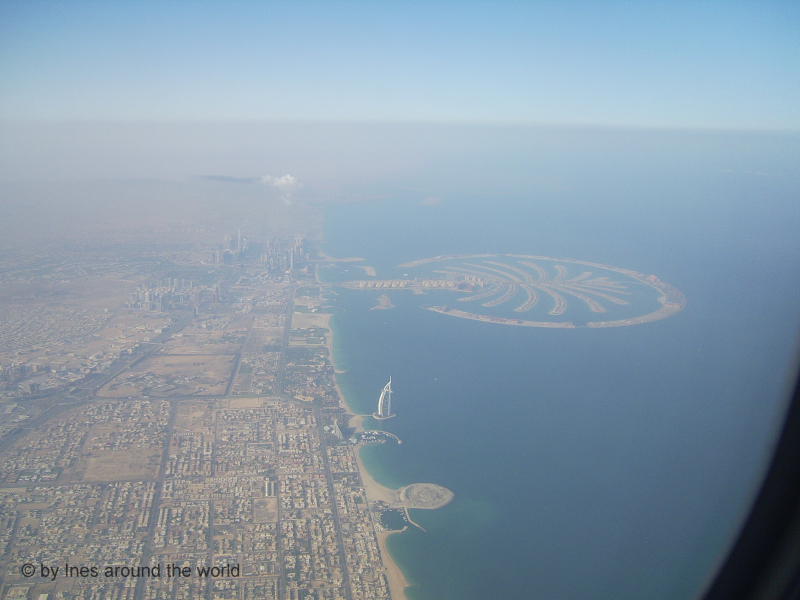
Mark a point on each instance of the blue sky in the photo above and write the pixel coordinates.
(716, 64)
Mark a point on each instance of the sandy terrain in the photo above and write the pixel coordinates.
(384, 303)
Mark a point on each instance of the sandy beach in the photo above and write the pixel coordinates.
(374, 490)
(397, 581)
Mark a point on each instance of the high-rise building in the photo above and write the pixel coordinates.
(385, 402)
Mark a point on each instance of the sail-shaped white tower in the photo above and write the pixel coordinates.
(385, 402)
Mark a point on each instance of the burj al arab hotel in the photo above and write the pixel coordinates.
(385, 402)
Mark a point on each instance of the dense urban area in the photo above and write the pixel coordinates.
(163, 413)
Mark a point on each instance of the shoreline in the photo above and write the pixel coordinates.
(375, 491)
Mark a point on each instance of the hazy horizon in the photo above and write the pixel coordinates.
(566, 231)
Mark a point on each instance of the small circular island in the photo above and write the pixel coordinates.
(423, 495)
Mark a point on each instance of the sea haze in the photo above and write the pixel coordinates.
(586, 463)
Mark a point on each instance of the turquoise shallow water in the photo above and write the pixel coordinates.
(612, 463)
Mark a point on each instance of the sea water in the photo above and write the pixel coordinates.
(586, 463)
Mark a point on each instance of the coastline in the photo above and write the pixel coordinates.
(375, 491)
